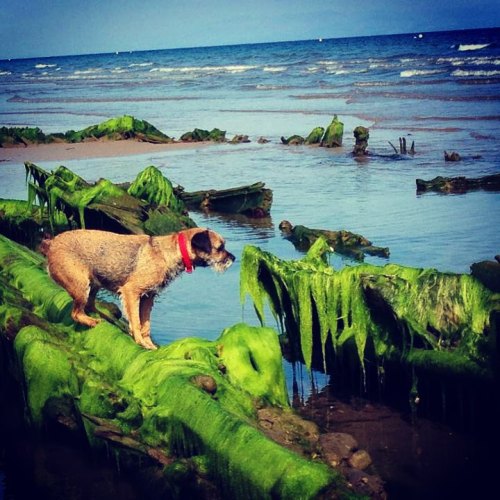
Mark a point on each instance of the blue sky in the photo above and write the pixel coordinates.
(33, 28)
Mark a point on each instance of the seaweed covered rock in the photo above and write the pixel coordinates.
(343, 242)
(488, 273)
(315, 135)
(434, 321)
(149, 206)
(253, 200)
(361, 135)
(23, 136)
(329, 138)
(459, 184)
(201, 135)
(192, 405)
(119, 128)
(332, 137)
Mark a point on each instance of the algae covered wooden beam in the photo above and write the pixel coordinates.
(254, 200)
(342, 242)
(195, 400)
(148, 206)
(119, 128)
(393, 309)
(459, 184)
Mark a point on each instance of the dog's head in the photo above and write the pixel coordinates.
(209, 249)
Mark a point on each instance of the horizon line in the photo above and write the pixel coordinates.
(320, 39)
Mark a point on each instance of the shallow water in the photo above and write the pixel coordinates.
(430, 90)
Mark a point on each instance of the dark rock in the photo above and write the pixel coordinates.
(337, 446)
(343, 242)
(360, 459)
(361, 134)
(459, 184)
(454, 156)
(239, 139)
(488, 273)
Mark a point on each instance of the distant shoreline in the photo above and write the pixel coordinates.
(83, 150)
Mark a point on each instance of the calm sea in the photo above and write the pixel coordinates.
(441, 90)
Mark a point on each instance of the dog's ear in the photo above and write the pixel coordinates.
(201, 241)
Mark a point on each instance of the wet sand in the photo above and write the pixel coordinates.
(98, 149)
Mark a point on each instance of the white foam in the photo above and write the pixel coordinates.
(5, 73)
(419, 72)
(472, 46)
(462, 72)
(43, 66)
(274, 69)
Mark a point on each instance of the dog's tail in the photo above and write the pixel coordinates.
(45, 244)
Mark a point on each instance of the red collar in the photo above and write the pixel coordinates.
(188, 264)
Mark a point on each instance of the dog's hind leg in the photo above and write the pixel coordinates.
(75, 279)
(145, 317)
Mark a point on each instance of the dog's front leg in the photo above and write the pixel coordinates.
(145, 316)
(131, 304)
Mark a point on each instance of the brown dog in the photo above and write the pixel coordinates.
(136, 267)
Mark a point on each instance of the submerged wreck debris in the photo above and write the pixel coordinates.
(331, 137)
(201, 135)
(148, 207)
(361, 135)
(186, 414)
(342, 242)
(459, 184)
(253, 200)
(488, 273)
(115, 129)
(453, 156)
(431, 321)
(403, 148)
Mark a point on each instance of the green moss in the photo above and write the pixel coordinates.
(193, 398)
(315, 135)
(440, 311)
(333, 134)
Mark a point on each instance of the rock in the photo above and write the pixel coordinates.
(459, 184)
(262, 140)
(315, 136)
(332, 137)
(360, 459)
(342, 242)
(361, 135)
(294, 140)
(366, 484)
(119, 128)
(454, 156)
(337, 446)
(488, 273)
(238, 139)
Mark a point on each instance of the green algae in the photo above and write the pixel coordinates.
(118, 128)
(149, 206)
(438, 312)
(152, 402)
(332, 137)
(151, 186)
(315, 135)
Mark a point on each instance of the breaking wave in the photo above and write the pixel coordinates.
(472, 46)
(419, 72)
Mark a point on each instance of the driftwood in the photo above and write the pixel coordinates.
(459, 184)
(253, 200)
(342, 242)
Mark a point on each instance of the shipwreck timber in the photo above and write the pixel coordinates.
(188, 410)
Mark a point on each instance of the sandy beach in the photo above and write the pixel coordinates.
(102, 149)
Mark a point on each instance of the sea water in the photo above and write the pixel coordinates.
(440, 90)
